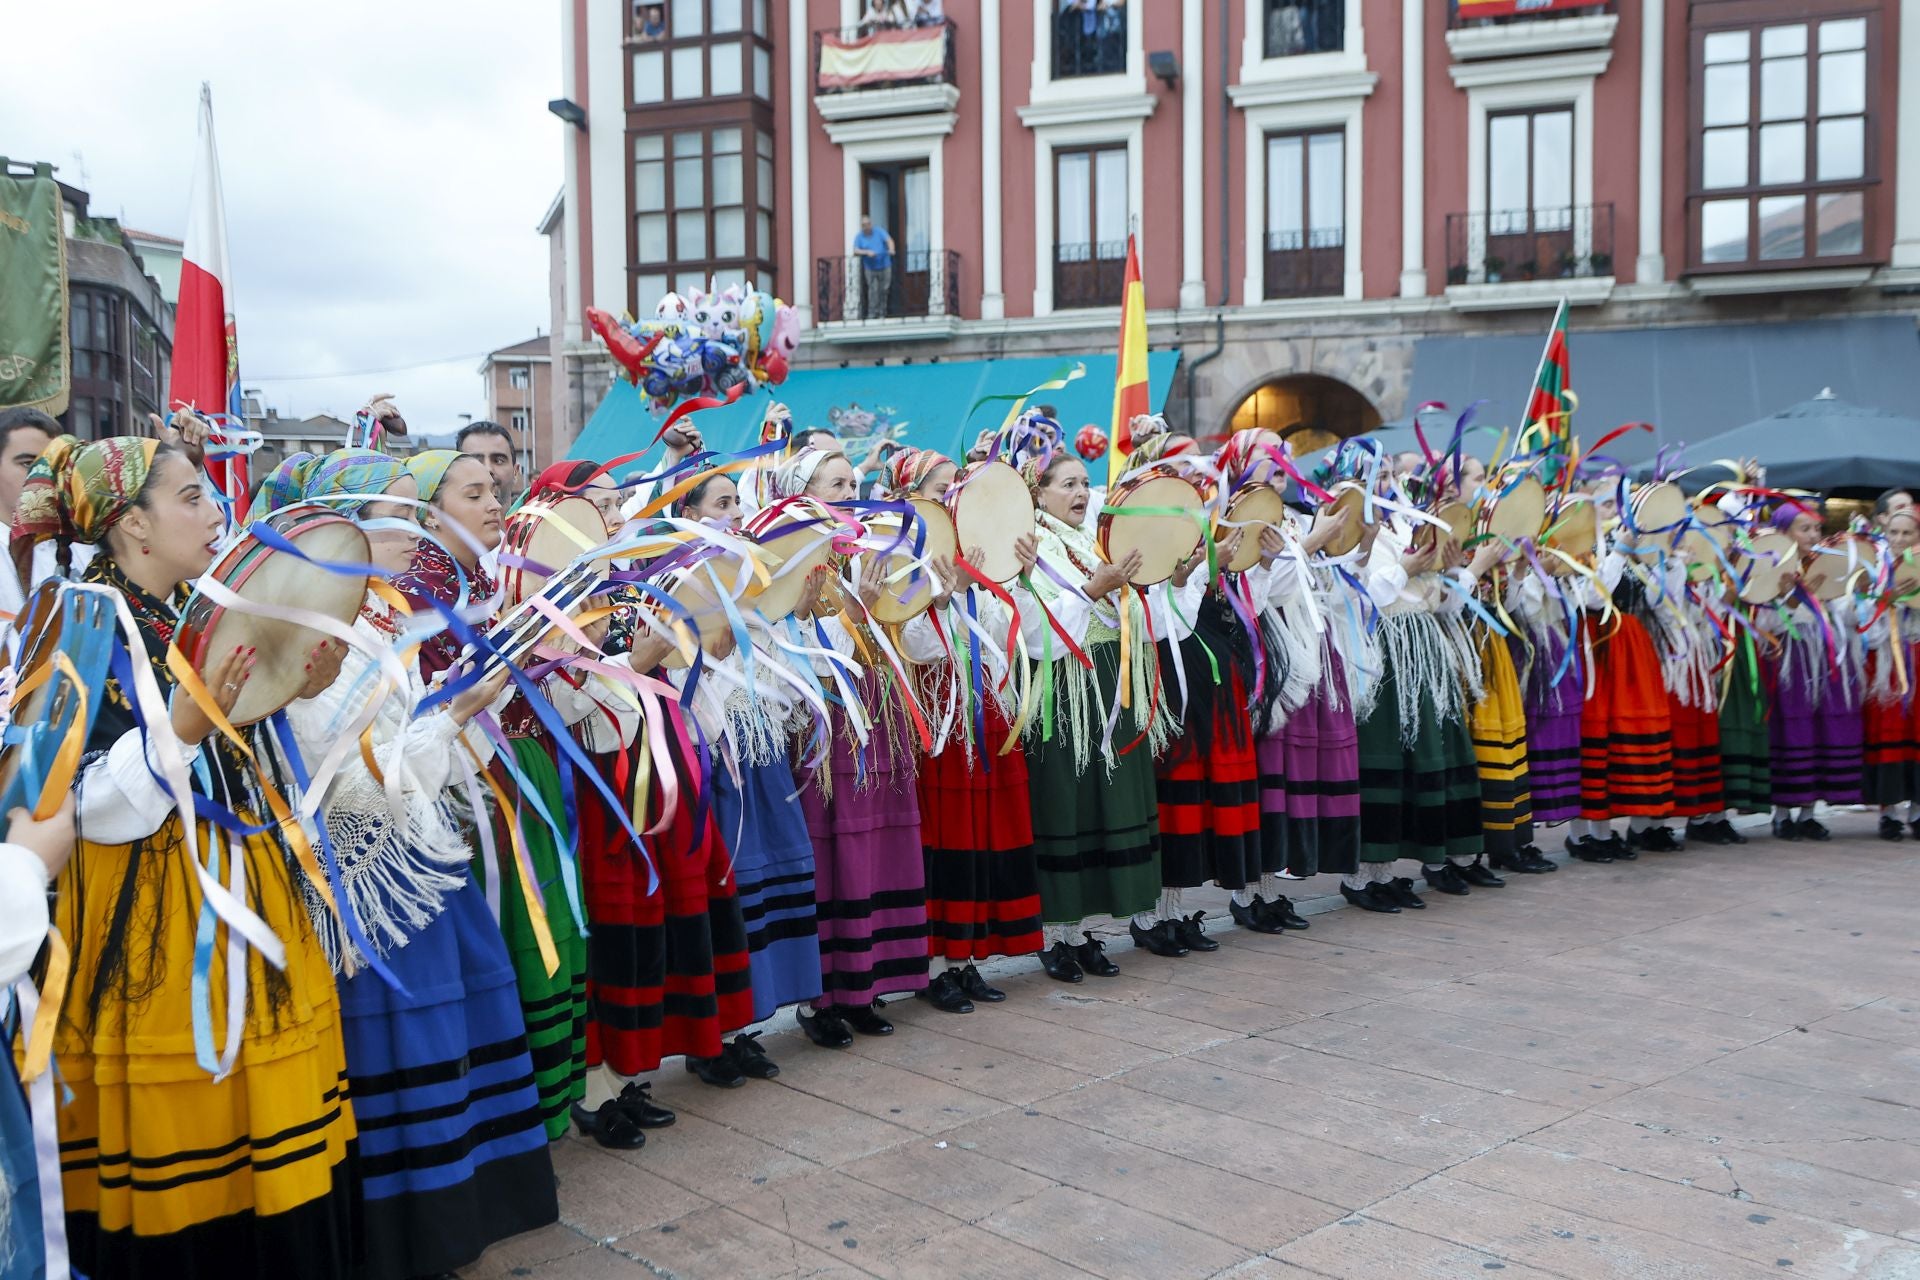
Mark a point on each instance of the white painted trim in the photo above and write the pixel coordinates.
(1652, 263)
(1193, 61)
(571, 285)
(1545, 91)
(1043, 89)
(1521, 295)
(928, 147)
(917, 329)
(865, 104)
(1342, 113)
(1256, 66)
(1818, 279)
(1087, 109)
(993, 298)
(1586, 64)
(889, 128)
(798, 205)
(1413, 149)
(607, 154)
(1906, 132)
(1546, 35)
(1047, 138)
(1330, 87)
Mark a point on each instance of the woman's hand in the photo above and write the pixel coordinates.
(482, 695)
(1325, 531)
(1485, 557)
(872, 581)
(1109, 578)
(191, 724)
(1026, 550)
(1273, 544)
(51, 840)
(650, 649)
(1417, 558)
(323, 667)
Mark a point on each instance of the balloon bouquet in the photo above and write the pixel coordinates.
(704, 345)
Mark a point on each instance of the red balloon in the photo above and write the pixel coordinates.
(1091, 443)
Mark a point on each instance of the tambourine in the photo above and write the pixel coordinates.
(1842, 565)
(1764, 565)
(1456, 524)
(1658, 511)
(543, 537)
(797, 538)
(910, 586)
(700, 589)
(55, 700)
(1707, 542)
(1574, 533)
(1347, 496)
(1163, 538)
(1516, 513)
(270, 581)
(1253, 510)
(991, 508)
(521, 629)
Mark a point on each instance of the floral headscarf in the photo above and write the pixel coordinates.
(791, 478)
(429, 468)
(908, 469)
(78, 491)
(344, 473)
(564, 479)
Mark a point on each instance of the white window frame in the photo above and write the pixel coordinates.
(1256, 66)
(1336, 113)
(927, 147)
(1049, 138)
(1046, 91)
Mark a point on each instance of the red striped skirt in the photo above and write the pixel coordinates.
(1697, 788)
(976, 827)
(1626, 729)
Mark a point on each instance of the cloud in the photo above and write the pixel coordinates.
(384, 166)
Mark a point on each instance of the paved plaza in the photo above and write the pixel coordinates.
(1701, 1065)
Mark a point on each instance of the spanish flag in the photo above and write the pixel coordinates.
(1130, 375)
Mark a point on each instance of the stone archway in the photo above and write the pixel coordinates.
(1309, 410)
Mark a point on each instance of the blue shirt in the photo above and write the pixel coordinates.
(875, 240)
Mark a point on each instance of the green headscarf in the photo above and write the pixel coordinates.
(328, 478)
(429, 468)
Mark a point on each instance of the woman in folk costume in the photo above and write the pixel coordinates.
(1096, 821)
(453, 1156)
(464, 523)
(756, 807)
(189, 1146)
(1419, 778)
(861, 804)
(1816, 668)
(1891, 716)
(667, 970)
(1550, 662)
(976, 817)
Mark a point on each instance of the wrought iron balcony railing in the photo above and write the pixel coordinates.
(1530, 244)
(921, 284)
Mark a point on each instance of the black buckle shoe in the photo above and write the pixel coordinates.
(1399, 891)
(1729, 834)
(720, 1072)
(1660, 840)
(1891, 828)
(1367, 900)
(825, 1029)
(1091, 956)
(1587, 849)
(1058, 963)
(1282, 909)
(636, 1099)
(1192, 936)
(1445, 878)
(1256, 915)
(1160, 940)
(1478, 874)
(1704, 833)
(1621, 849)
(610, 1126)
(751, 1058)
(866, 1019)
(944, 994)
(1787, 829)
(978, 988)
(1813, 829)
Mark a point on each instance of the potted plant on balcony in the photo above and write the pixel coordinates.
(1569, 264)
(1602, 263)
(1457, 273)
(1496, 265)
(1528, 269)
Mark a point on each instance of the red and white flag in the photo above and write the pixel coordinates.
(206, 357)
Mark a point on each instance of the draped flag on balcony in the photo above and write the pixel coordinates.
(1470, 9)
(1130, 398)
(1551, 403)
(880, 58)
(206, 354)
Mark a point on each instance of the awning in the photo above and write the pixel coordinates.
(931, 399)
(1691, 383)
(1824, 443)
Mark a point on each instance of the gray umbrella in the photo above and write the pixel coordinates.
(1824, 443)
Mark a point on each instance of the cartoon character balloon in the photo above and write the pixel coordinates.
(704, 344)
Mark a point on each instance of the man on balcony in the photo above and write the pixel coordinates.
(874, 247)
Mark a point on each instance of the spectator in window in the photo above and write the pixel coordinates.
(874, 247)
(928, 13)
(653, 22)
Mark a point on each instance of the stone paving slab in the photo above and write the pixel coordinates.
(1702, 1066)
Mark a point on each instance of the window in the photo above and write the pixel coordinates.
(1530, 215)
(692, 192)
(518, 421)
(1090, 226)
(1305, 26)
(519, 377)
(1306, 254)
(1783, 169)
(1089, 38)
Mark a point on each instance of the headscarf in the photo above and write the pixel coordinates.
(563, 479)
(1792, 509)
(429, 468)
(345, 473)
(908, 469)
(78, 491)
(791, 478)
(1243, 460)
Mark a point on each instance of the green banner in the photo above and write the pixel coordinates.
(33, 292)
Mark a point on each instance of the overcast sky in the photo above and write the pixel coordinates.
(385, 164)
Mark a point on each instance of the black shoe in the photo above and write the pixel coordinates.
(1058, 963)
(1786, 829)
(825, 1029)
(1729, 834)
(751, 1058)
(609, 1126)
(1477, 874)
(1444, 877)
(1160, 940)
(1620, 848)
(1587, 849)
(1257, 915)
(1502, 861)
(719, 1072)
(1282, 909)
(1705, 833)
(1091, 956)
(1400, 892)
(944, 994)
(1810, 829)
(1367, 900)
(1660, 840)
(978, 988)
(1536, 862)
(1916, 829)
(636, 1099)
(1191, 935)
(866, 1019)
(1891, 828)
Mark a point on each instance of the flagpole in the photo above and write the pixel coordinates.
(1546, 350)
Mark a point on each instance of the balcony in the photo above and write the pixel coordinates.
(1306, 264)
(1520, 257)
(1089, 275)
(1512, 28)
(1090, 39)
(918, 297)
(862, 73)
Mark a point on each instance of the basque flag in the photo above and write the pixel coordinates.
(206, 357)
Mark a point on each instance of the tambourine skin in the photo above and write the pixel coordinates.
(796, 537)
(1573, 533)
(1163, 541)
(905, 598)
(271, 580)
(538, 533)
(1764, 566)
(1347, 496)
(991, 508)
(1842, 565)
(1253, 510)
(1519, 513)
